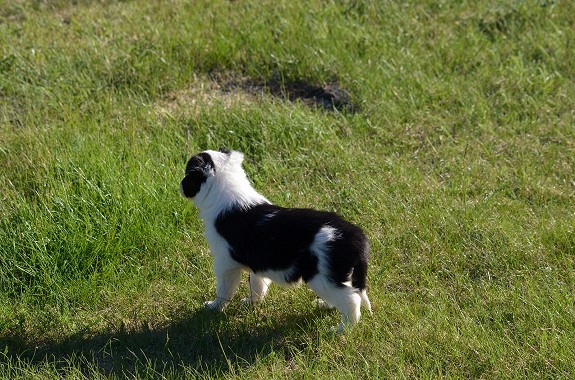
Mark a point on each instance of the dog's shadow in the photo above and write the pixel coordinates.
(203, 342)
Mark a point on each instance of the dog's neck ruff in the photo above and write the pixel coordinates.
(229, 188)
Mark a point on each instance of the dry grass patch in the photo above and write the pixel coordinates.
(205, 93)
(230, 91)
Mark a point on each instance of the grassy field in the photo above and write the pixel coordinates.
(446, 129)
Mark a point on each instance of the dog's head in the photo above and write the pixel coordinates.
(204, 167)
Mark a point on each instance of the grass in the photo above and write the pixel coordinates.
(454, 150)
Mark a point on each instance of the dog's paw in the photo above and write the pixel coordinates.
(249, 302)
(246, 301)
(318, 302)
(340, 329)
(216, 305)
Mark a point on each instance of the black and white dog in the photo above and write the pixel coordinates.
(246, 232)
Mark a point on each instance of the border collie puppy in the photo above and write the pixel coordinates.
(246, 232)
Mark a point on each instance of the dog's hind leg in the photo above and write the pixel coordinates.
(227, 282)
(348, 302)
(344, 298)
(258, 288)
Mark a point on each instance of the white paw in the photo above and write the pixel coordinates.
(214, 305)
(340, 329)
(246, 301)
(250, 302)
(318, 302)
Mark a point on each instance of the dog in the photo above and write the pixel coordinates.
(246, 232)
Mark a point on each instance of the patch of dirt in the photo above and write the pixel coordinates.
(229, 91)
(202, 93)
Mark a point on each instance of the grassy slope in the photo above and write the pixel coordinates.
(459, 165)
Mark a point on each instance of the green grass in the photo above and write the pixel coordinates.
(457, 158)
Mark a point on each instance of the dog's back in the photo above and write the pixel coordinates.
(301, 242)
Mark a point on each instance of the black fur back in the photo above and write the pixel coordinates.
(268, 237)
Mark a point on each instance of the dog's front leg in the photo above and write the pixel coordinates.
(227, 281)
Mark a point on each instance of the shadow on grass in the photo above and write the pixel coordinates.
(329, 97)
(203, 343)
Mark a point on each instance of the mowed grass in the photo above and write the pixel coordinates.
(456, 154)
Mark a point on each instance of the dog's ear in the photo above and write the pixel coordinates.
(236, 157)
(224, 150)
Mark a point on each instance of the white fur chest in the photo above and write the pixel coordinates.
(218, 245)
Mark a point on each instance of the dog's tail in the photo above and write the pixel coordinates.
(359, 276)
